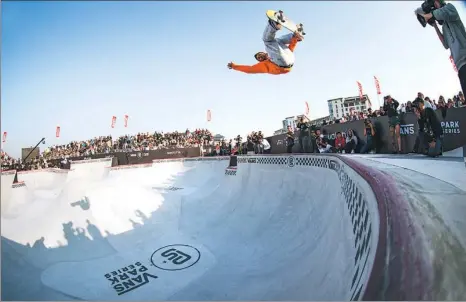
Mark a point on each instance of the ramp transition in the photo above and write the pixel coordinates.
(294, 227)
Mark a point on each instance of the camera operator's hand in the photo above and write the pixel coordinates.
(427, 17)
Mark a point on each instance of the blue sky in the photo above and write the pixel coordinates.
(164, 64)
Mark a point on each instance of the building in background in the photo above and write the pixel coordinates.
(339, 107)
(289, 121)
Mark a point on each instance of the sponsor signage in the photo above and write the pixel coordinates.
(407, 129)
(86, 160)
(175, 257)
(451, 127)
(128, 278)
(145, 157)
(139, 154)
(291, 162)
(133, 158)
(454, 127)
(173, 152)
(334, 165)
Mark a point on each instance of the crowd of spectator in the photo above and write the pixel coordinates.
(255, 142)
(348, 142)
(10, 163)
(454, 102)
(138, 142)
(106, 144)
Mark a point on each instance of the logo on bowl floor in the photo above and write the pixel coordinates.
(129, 278)
(175, 257)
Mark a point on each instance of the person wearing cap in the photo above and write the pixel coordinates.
(430, 130)
(279, 56)
(391, 108)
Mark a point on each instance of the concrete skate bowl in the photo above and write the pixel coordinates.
(292, 227)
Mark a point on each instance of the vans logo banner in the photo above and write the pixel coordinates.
(407, 129)
(129, 278)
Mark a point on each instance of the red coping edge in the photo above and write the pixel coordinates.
(407, 276)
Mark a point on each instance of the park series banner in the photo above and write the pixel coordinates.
(454, 127)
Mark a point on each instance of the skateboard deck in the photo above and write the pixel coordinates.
(279, 17)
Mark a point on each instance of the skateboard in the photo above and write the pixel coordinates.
(279, 17)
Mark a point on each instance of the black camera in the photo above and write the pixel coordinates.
(428, 7)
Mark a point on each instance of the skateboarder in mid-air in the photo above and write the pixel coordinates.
(279, 56)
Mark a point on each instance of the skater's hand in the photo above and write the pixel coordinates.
(230, 65)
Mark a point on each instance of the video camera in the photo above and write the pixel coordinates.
(427, 7)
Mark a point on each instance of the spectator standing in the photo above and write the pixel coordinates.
(369, 133)
(289, 140)
(391, 106)
(304, 135)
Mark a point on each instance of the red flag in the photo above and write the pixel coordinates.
(377, 85)
(453, 63)
(307, 109)
(57, 131)
(209, 116)
(126, 120)
(4, 137)
(361, 94)
(113, 121)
